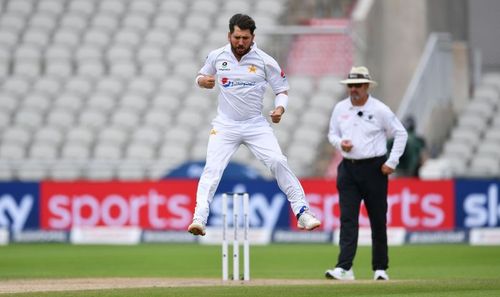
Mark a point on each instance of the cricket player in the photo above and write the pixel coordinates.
(242, 71)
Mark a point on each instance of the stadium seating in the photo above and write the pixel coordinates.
(473, 148)
(104, 89)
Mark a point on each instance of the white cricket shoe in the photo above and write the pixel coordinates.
(340, 274)
(197, 227)
(380, 275)
(308, 221)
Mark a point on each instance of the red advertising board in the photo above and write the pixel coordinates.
(412, 203)
(422, 205)
(150, 205)
(169, 204)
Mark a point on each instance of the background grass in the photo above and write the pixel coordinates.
(428, 270)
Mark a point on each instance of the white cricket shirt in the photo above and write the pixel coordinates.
(243, 83)
(368, 128)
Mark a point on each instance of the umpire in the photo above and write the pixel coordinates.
(359, 128)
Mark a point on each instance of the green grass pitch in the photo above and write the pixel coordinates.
(415, 270)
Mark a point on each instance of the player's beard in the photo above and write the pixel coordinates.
(240, 51)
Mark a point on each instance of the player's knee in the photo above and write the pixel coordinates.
(277, 162)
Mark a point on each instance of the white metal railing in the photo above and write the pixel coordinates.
(431, 85)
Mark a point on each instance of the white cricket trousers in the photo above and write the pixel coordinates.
(257, 134)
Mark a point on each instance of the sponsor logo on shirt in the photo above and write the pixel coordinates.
(227, 83)
(224, 66)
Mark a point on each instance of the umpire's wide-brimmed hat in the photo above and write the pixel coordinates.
(359, 75)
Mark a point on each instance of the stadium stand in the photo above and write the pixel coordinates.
(104, 89)
(473, 148)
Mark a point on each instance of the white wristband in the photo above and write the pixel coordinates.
(196, 80)
(281, 100)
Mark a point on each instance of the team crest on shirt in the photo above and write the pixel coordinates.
(213, 131)
(252, 69)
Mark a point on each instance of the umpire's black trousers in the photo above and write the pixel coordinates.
(362, 180)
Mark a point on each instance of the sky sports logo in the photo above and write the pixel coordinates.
(480, 207)
(148, 205)
(227, 83)
(150, 210)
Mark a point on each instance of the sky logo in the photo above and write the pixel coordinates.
(482, 209)
(14, 213)
(19, 206)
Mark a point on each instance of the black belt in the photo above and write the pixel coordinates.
(363, 161)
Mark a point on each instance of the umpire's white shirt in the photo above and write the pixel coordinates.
(243, 83)
(368, 128)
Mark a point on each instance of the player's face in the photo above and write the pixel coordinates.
(358, 91)
(240, 40)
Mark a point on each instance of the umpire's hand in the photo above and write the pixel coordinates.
(386, 169)
(276, 114)
(346, 145)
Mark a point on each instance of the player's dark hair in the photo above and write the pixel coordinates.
(243, 21)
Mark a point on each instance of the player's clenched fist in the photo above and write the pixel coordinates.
(206, 81)
(276, 114)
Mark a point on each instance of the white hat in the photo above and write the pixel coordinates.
(359, 75)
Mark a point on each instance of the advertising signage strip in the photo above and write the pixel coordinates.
(165, 205)
(422, 205)
(477, 203)
(19, 206)
(169, 204)
(412, 204)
